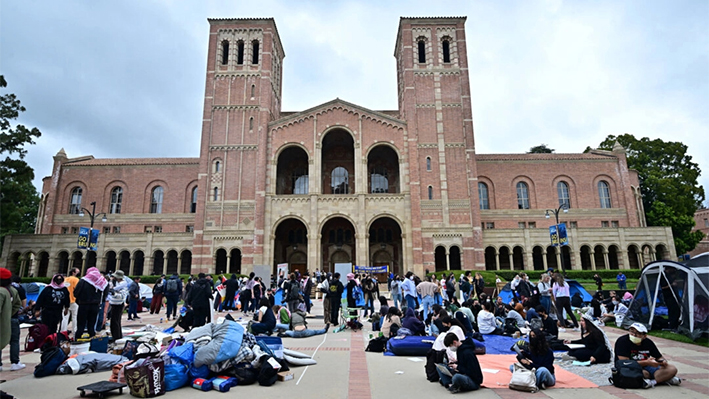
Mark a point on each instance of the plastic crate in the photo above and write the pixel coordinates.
(273, 343)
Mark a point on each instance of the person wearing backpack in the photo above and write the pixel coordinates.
(637, 346)
(53, 299)
(370, 290)
(172, 290)
(156, 302)
(291, 293)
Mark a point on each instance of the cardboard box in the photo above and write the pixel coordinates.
(285, 376)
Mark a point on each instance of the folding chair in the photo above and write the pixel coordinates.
(348, 315)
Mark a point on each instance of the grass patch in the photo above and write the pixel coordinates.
(701, 341)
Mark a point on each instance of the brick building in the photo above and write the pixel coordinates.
(701, 220)
(339, 182)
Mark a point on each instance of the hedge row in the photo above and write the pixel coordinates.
(608, 276)
(143, 279)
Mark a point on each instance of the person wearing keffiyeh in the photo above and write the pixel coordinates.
(51, 301)
(89, 293)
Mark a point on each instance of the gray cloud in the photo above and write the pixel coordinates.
(127, 79)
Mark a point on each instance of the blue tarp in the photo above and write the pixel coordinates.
(574, 287)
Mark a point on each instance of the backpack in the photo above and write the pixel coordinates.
(369, 285)
(267, 375)
(627, 374)
(35, 337)
(536, 323)
(377, 344)
(49, 362)
(171, 285)
(59, 339)
(433, 357)
(510, 326)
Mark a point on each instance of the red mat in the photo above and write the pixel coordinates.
(501, 379)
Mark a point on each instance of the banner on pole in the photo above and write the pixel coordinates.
(83, 241)
(93, 240)
(558, 235)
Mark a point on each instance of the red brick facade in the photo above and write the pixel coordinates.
(334, 183)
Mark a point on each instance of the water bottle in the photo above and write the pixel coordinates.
(161, 320)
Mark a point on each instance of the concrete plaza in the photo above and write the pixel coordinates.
(345, 370)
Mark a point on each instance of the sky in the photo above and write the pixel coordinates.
(126, 79)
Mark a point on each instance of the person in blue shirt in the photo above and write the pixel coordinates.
(409, 288)
(621, 281)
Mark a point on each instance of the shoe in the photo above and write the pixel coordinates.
(543, 386)
(129, 319)
(577, 329)
(649, 383)
(327, 327)
(562, 329)
(453, 389)
(20, 366)
(674, 381)
(281, 335)
(0, 369)
(566, 358)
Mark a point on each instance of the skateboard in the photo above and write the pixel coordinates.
(101, 388)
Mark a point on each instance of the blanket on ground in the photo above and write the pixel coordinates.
(225, 342)
(501, 379)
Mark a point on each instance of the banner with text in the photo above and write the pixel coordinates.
(93, 240)
(83, 241)
(558, 235)
(370, 269)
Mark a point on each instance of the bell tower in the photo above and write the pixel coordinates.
(434, 98)
(242, 95)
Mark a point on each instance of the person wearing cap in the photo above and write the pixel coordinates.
(10, 304)
(117, 301)
(637, 346)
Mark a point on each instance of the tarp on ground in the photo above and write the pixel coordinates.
(574, 287)
(685, 294)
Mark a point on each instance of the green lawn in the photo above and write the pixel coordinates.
(702, 341)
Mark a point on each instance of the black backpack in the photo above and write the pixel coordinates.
(627, 374)
(172, 285)
(377, 344)
(433, 357)
(510, 326)
(267, 375)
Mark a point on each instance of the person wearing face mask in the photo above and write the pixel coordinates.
(540, 357)
(395, 290)
(409, 288)
(637, 346)
(467, 375)
(617, 314)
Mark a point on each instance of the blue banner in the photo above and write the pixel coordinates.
(93, 240)
(83, 241)
(558, 235)
(370, 269)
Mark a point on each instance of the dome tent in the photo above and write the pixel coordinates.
(688, 296)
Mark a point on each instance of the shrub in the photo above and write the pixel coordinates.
(608, 276)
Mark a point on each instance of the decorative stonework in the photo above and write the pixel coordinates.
(233, 148)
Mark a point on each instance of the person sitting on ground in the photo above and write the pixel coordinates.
(500, 308)
(265, 319)
(436, 327)
(282, 317)
(577, 300)
(299, 327)
(487, 322)
(550, 328)
(438, 344)
(597, 348)
(453, 305)
(185, 319)
(617, 314)
(531, 314)
(450, 322)
(637, 346)
(412, 322)
(377, 317)
(512, 313)
(541, 358)
(467, 375)
(392, 322)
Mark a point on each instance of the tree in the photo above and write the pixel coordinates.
(18, 197)
(540, 149)
(668, 183)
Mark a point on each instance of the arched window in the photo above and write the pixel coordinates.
(339, 181)
(253, 91)
(430, 192)
(116, 200)
(240, 52)
(156, 200)
(300, 181)
(562, 190)
(225, 52)
(193, 204)
(217, 166)
(482, 194)
(75, 205)
(379, 180)
(422, 51)
(604, 193)
(216, 193)
(428, 164)
(251, 123)
(522, 195)
(446, 51)
(254, 52)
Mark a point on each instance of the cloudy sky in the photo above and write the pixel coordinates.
(126, 79)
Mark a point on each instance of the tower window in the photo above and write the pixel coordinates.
(216, 193)
(116, 200)
(522, 195)
(254, 54)
(251, 123)
(240, 52)
(428, 164)
(193, 204)
(75, 206)
(604, 193)
(253, 91)
(430, 192)
(422, 51)
(483, 195)
(156, 200)
(562, 190)
(225, 52)
(446, 51)
(217, 166)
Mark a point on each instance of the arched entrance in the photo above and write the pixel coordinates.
(338, 169)
(613, 257)
(599, 257)
(538, 258)
(172, 263)
(551, 258)
(518, 258)
(138, 263)
(490, 255)
(63, 259)
(90, 259)
(633, 257)
(440, 259)
(586, 257)
(385, 247)
(186, 265)
(43, 265)
(158, 260)
(337, 243)
(383, 170)
(234, 261)
(220, 261)
(110, 261)
(125, 262)
(290, 245)
(505, 259)
(661, 252)
(77, 259)
(292, 171)
(454, 258)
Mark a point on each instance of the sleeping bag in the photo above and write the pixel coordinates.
(410, 345)
(225, 342)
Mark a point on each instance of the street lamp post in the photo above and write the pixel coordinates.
(92, 216)
(563, 207)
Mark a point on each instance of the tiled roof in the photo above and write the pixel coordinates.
(134, 161)
(543, 157)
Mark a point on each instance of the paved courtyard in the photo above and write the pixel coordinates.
(345, 370)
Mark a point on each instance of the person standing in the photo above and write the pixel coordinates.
(10, 304)
(90, 291)
(232, 285)
(395, 290)
(71, 281)
(334, 295)
(427, 290)
(479, 284)
(370, 289)
(599, 282)
(307, 290)
(324, 288)
(133, 298)
(291, 293)
(198, 300)
(156, 302)
(621, 281)
(117, 301)
(409, 289)
(53, 299)
(563, 302)
(172, 290)
(545, 290)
